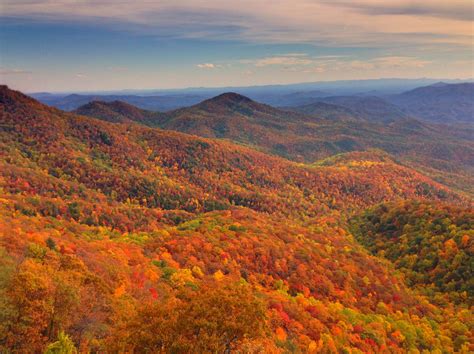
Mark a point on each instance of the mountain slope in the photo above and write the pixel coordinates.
(254, 179)
(431, 243)
(117, 112)
(325, 110)
(442, 103)
(296, 98)
(153, 103)
(130, 238)
(446, 153)
(367, 108)
(230, 116)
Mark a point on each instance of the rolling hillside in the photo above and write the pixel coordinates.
(118, 112)
(366, 108)
(161, 102)
(196, 167)
(445, 153)
(441, 102)
(325, 110)
(132, 239)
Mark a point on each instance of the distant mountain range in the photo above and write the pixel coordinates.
(440, 102)
(369, 108)
(153, 103)
(334, 88)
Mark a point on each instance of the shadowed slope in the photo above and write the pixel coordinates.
(441, 103)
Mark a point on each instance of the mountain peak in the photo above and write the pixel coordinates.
(115, 111)
(12, 99)
(229, 102)
(117, 106)
(230, 98)
(439, 84)
(8, 94)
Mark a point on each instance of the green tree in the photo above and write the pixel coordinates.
(64, 345)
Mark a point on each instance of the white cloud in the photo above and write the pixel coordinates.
(294, 62)
(294, 55)
(389, 62)
(315, 70)
(455, 9)
(207, 66)
(400, 61)
(14, 71)
(361, 65)
(320, 64)
(373, 23)
(283, 60)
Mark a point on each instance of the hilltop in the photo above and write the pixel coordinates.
(117, 112)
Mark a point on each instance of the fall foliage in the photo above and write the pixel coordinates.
(127, 238)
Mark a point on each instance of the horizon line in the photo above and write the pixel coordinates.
(246, 86)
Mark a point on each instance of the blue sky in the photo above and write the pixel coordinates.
(83, 45)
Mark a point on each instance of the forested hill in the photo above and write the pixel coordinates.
(118, 112)
(445, 153)
(171, 170)
(118, 237)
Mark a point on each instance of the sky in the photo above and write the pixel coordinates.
(90, 45)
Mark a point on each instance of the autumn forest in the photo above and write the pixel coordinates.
(120, 233)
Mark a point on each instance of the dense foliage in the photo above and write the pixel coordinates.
(432, 244)
(124, 238)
